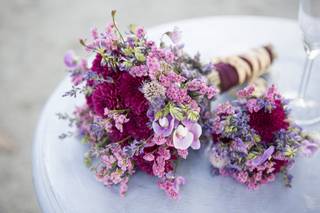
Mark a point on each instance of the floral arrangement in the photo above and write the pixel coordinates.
(142, 108)
(254, 140)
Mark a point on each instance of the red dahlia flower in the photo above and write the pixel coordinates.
(267, 123)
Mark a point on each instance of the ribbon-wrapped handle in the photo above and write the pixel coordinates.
(235, 70)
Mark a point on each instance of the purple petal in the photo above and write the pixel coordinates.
(150, 114)
(262, 158)
(70, 59)
(196, 130)
(163, 131)
(240, 146)
(196, 144)
(183, 143)
(308, 148)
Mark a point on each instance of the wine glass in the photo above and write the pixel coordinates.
(306, 111)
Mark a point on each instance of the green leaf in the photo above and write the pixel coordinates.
(251, 156)
(256, 138)
(127, 64)
(158, 115)
(290, 152)
(128, 51)
(132, 28)
(177, 113)
(102, 143)
(85, 139)
(139, 56)
(193, 116)
(87, 160)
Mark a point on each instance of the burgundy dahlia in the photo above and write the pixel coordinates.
(129, 89)
(104, 71)
(105, 95)
(138, 126)
(123, 93)
(279, 164)
(267, 123)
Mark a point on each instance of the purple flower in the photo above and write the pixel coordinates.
(94, 33)
(182, 138)
(140, 32)
(262, 158)
(164, 126)
(246, 92)
(240, 146)
(196, 131)
(187, 135)
(70, 60)
(309, 148)
(175, 35)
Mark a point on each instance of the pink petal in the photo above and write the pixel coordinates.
(148, 157)
(196, 130)
(195, 144)
(182, 143)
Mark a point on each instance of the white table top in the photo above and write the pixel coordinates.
(64, 184)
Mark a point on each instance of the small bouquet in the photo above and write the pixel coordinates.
(145, 103)
(254, 140)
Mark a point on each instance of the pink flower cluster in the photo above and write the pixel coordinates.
(103, 40)
(115, 167)
(261, 175)
(139, 71)
(202, 87)
(117, 118)
(172, 186)
(246, 92)
(178, 95)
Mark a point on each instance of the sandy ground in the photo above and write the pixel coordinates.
(34, 34)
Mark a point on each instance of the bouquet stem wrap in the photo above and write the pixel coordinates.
(235, 70)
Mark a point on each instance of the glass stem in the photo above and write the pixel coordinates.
(305, 77)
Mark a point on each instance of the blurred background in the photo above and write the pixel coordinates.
(34, 35)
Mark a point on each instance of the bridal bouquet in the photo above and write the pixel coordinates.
(254, 140)
(142, 106)
(144, 102)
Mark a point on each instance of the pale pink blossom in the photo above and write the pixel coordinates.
(159, 140)
(123, 187)
(172, 186)
(164, 153)
(225, 108)
(139, 71)
(246, 92)
(187, 135)
(119, 120)
(183, 153)
(148, 157)
(158, 167)
(153, 67)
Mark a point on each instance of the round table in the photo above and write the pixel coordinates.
(64, 184)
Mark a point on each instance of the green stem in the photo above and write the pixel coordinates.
(120, 110)
(123, 140)
(113, 14)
